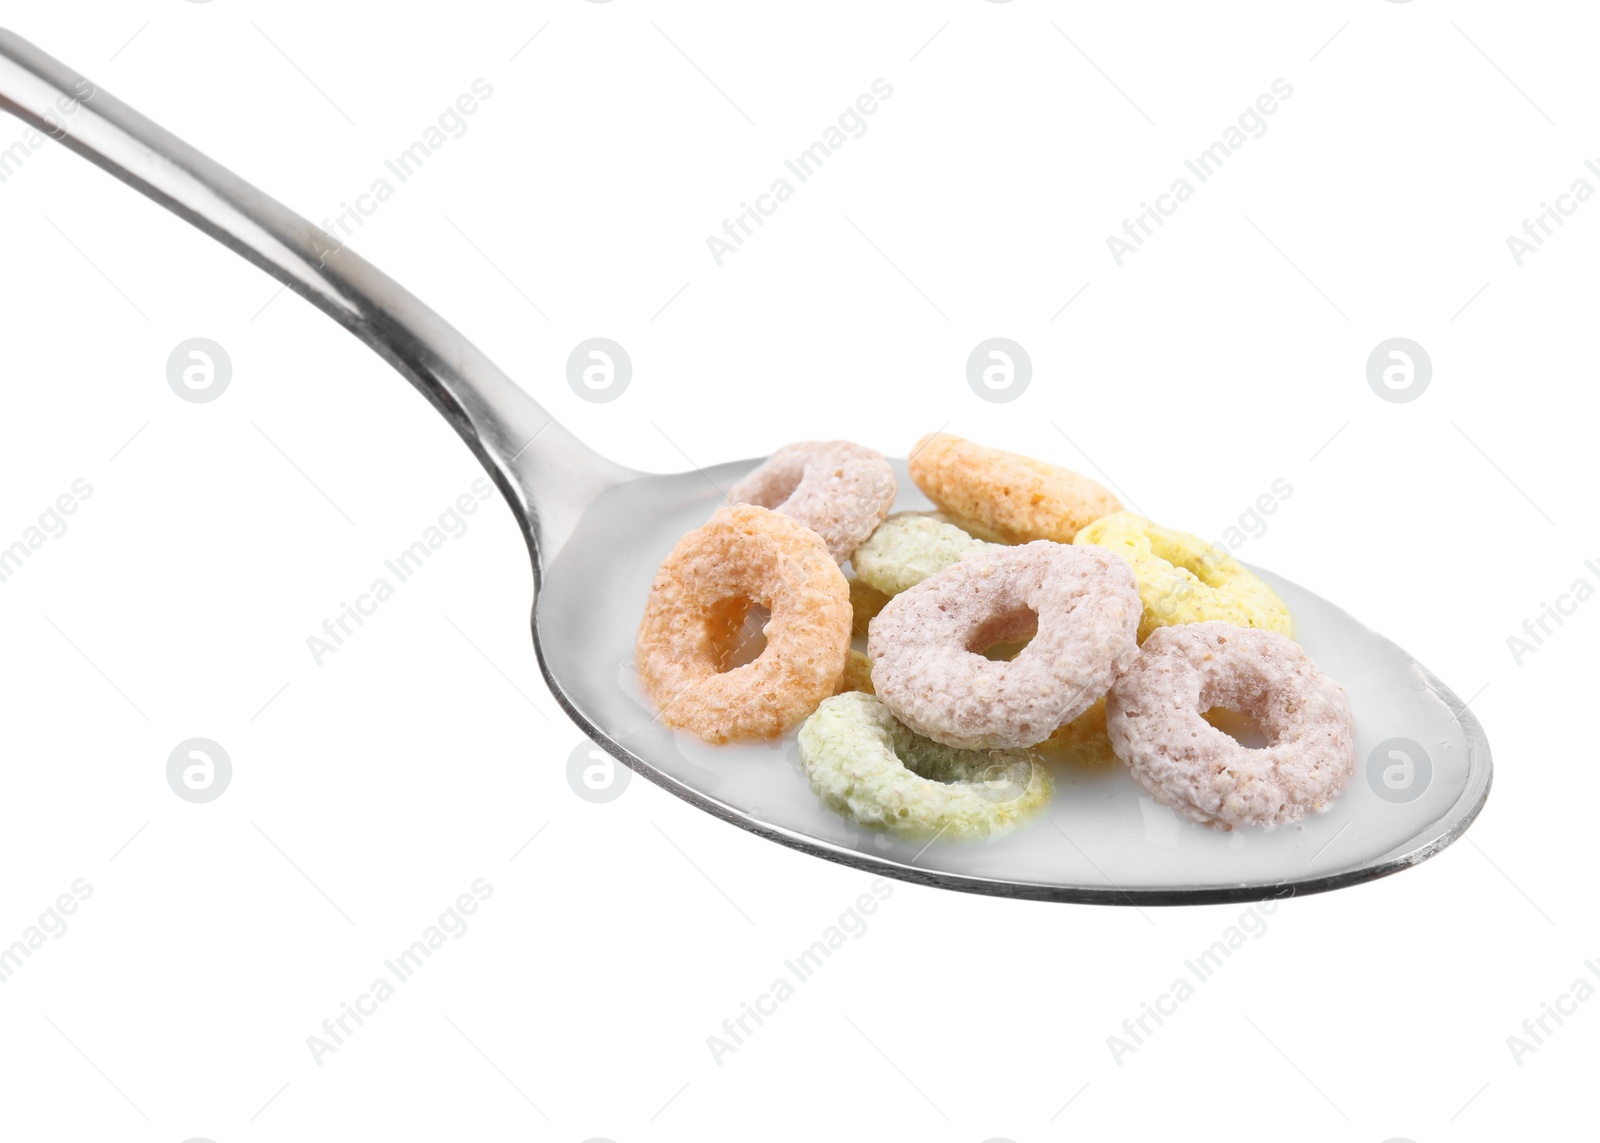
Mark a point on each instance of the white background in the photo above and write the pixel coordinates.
(370, 791)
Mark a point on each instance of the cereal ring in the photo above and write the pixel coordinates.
(865, 603)
(1013, 498)
(857, 674)
(1084, 740)
(972, 528)
(1154, 714)
(909, 547)
(1183, 579)
(839, 490)
(696, 612)
(868, 767)
(927, 644)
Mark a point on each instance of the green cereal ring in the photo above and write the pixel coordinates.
(866, 766)
(909, 547)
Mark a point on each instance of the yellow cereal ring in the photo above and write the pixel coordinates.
(1085, 740)
(865, 603)
(1014, 499)
(1183, 579)
(857, 674)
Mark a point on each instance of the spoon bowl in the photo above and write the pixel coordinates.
(1423, 765)
(597, 530)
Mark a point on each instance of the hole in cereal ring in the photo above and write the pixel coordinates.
(1240, 727)
(738, 631)
(782, 488)
(1199, 562)
(1003, 652)
(1003, 637)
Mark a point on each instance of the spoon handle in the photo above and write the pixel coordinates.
(546, 473)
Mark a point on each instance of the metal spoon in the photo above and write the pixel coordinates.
(596, 531)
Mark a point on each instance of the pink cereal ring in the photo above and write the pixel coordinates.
(1154, 716)
(839, 490)
(926, 646)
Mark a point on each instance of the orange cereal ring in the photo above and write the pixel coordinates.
(1011, 498)
(696, 611)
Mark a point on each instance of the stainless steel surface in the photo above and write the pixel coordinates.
(576, 508)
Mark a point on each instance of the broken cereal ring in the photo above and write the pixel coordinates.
(1155, 716)
(927, 644)
(909, 547)
(865, 765)
(696, 612)
(839, 490)
(1183, 579)
(1013, 498)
